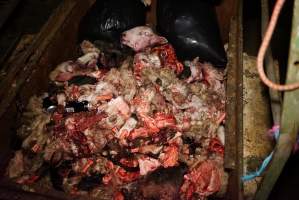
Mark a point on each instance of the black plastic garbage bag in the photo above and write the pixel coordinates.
(191, 27)
(107, 19)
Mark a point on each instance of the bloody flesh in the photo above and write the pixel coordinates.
(138, 119)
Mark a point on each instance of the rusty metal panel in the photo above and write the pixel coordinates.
(225, 11)
(234, 108)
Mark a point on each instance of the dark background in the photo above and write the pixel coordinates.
(27, 18)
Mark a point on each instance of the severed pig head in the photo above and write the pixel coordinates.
(141, 37)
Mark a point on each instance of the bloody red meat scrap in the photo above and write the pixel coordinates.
(203, 180)
(135, 121)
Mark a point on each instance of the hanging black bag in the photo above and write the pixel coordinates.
(107, 19)
(191, 27)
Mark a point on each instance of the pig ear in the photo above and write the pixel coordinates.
(162, 40)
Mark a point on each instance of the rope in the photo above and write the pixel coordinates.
(263, 48)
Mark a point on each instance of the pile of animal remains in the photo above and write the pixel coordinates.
(136, 131)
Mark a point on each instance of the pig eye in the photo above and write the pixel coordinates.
(146, 33)
(163, 54)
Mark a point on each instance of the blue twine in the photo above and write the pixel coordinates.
(275, 133)
(259, 172)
